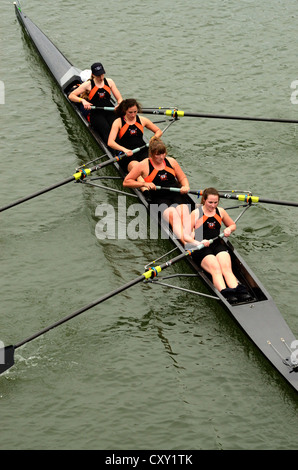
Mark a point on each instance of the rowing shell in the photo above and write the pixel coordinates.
(259, 318)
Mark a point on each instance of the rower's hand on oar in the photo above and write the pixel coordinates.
(128, 152)
(150, 185)
(184, 189)
(227, 232)
(206, 243)
(86, 104)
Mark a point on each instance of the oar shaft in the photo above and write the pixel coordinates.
(98, 301)
(7, 353)
(81, 310)
(281, 203)
(37, 193)
(151, 272)
(179, 113)
(77, 176)
(240, 197)
(116, 159)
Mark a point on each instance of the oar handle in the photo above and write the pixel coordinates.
(117, 159)
(174, 190)
(177, 190)
(104, 108)
(193, 248)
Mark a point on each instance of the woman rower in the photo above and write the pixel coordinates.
(99, 90)
(160, 170)
(127, 133)
(206, 221)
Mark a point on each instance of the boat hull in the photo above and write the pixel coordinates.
(260, 319)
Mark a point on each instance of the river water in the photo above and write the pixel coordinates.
(151, 368)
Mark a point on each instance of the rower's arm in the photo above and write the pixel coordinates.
(180, 175)
(115, 90)
(75, 95)
(113, 136)
(138, 171)
(228, 221)
(151, 126)
(188, 230)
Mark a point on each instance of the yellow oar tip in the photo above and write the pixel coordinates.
(174, 113)
(152, 272)
(81, 174)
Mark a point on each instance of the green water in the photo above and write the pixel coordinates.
(150, 368)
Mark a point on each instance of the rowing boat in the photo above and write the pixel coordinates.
(259, 317)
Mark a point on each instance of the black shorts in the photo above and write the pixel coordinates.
(213, 249)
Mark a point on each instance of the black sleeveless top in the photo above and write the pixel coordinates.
(207, 227)
(131, 136)
(165, 178)
(102, 96)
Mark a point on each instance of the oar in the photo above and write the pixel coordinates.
(176, 113)
(7, 353)
(241, 197)
(255, 199)
(179, 113)
(79, 175)
(169, 112)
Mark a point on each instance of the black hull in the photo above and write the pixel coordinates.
(260, 319)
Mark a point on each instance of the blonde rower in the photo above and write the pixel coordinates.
(164, 171)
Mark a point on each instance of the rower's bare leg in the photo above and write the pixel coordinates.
(224, 261)
(185, 216)
(212, 266)
(173, 218)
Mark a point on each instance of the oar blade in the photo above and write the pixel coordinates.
(6, 358)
